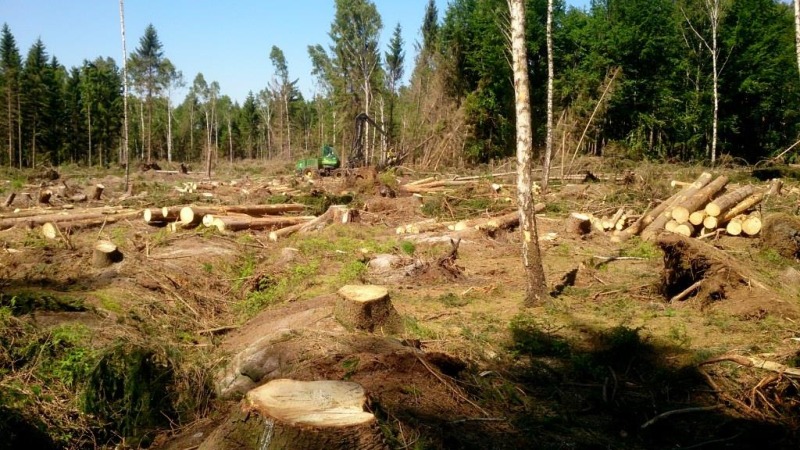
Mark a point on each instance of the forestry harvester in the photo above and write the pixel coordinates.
(330, 165)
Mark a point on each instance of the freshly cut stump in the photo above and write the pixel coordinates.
(316, 415)
(105, 254)
(366, 307)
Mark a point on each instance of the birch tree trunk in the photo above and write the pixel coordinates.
(169, 128)
(713, 14)
(124, 94)
(531, 256)
(548, 152)
(797, 31)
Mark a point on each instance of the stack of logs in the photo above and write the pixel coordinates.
(704, 208)
(246, 217)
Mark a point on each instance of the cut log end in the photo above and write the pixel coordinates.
(320, 404)
(105, 254)
(49, 230)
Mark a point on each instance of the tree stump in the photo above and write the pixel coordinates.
(579, 224)
(97, 191)
(781, 233)
(367, 308)
(9, 199)
(105, 254)
(315, 415)
(44, 196)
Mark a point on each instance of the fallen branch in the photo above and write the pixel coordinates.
(749, 361)
(679, 411)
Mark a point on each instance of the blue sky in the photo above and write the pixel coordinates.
(229, 42)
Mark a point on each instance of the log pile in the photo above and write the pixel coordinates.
(704, 208)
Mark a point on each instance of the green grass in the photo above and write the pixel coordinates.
(638, 248)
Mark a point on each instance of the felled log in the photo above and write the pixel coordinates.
(710, 222)
(78, 198)
(684, 229)
(696, 218)
(274, 235)
(722, 204)
(322, 414)
(159, 215)
(339, 212)
(105, 254)
(367, 308)
(61, 216)
(433, 185)
(9, 199)
(734, 226)
(238, 223)
(97, 191)
(49, 229)
(743, 206)
(508, 220)
(648, 218)
(751, 226)
(691, 200)
(193, 215)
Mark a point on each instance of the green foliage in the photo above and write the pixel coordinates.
(25, 302)
(638, 248)
(352, 271)
(453, 300)
(532, 337)
(408, 247)
(130, 378)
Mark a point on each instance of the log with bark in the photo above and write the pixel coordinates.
(691, 200)
(434, 186)
(340, 213)
(648, 218)
(321, 414)
(722, 204)
(105, 254)
(238, 223)
(49, 229)
(59, 216)
(742, 207)
(367, 308)
(193, 215)
(509, 220)
(285, 231)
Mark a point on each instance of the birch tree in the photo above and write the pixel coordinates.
(714, 10)
(797, 31)
(124, 94)
(548, 152)
(531, 256)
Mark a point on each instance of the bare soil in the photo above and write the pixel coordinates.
(588, 368)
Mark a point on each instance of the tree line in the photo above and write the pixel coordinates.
(663, 79)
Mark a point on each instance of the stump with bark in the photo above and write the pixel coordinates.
(105, 254)
(368, 308)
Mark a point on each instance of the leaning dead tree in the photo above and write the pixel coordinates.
(531, 256)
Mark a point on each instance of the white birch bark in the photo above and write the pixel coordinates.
(548, 152)
(531, 256)
(124, 95)
(797, 31)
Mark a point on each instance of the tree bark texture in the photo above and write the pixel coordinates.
(531, 256)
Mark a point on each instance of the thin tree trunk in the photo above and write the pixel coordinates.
(797, 31)
(288, 123)
(142, 134)
(89, 120)
(230, 137)
(548, 152)
(169, 129)
(531, 256)
(9, 102)
(713, 11)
